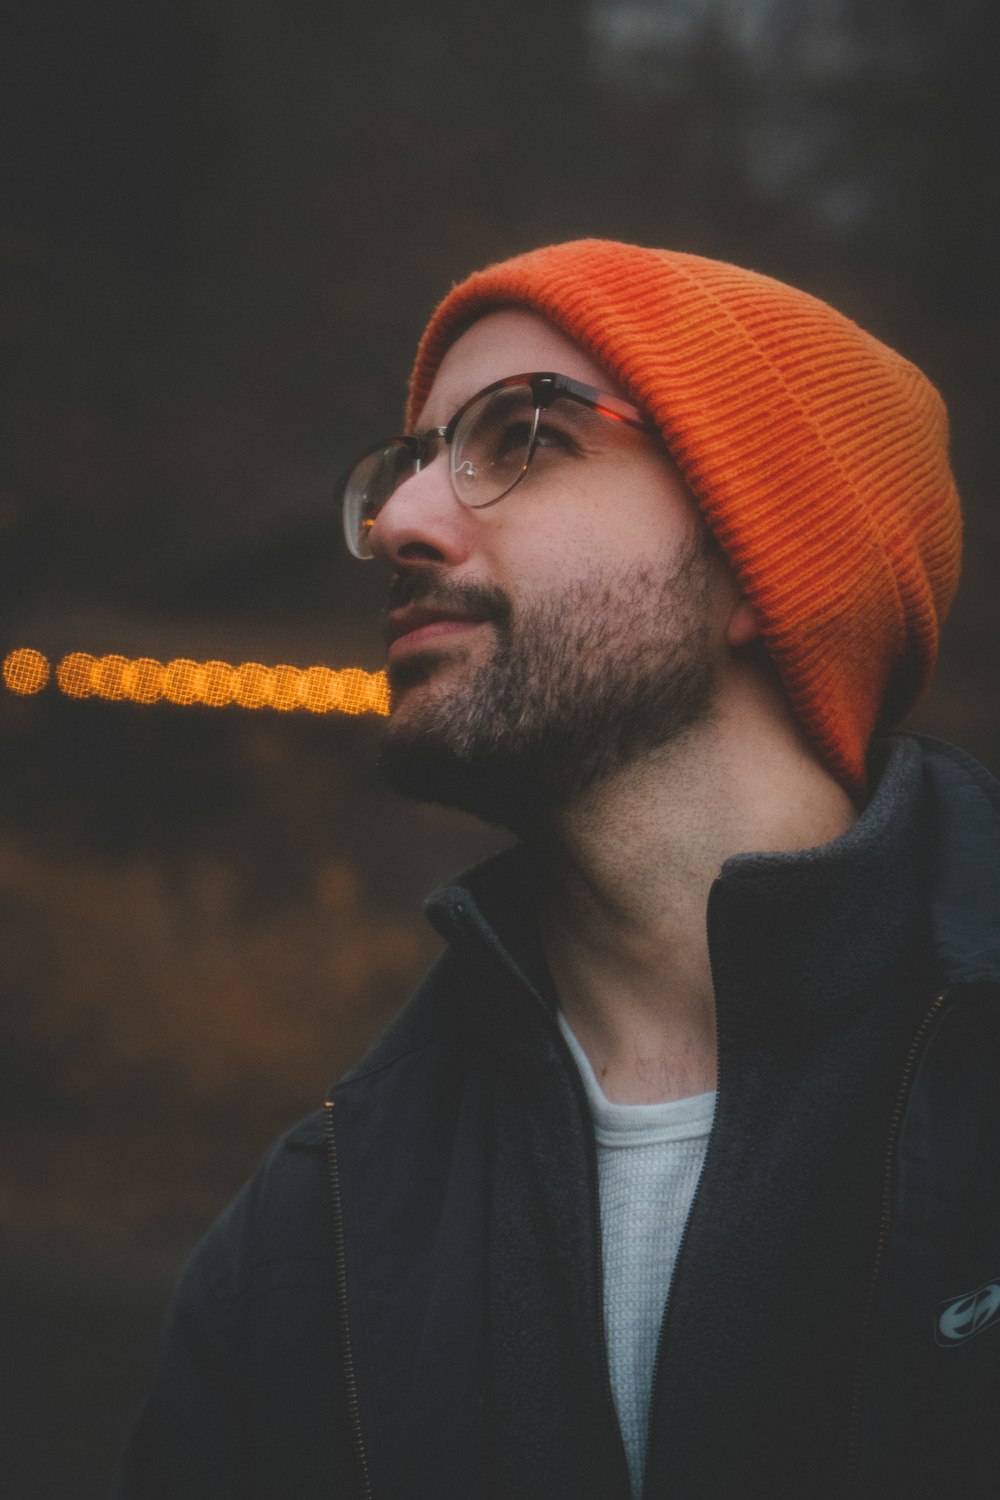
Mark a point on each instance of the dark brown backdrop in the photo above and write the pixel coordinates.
(221, 227)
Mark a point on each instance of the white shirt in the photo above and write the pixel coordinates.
(649, 1159)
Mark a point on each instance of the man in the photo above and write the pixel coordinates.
(677, 1176)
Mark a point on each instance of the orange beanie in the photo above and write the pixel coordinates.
(819, 458)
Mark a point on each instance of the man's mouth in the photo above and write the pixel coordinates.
(419, 626)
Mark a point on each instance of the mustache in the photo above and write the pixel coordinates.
(432, 587)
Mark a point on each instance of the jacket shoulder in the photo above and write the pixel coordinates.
(284, 1211)
(435, 1017)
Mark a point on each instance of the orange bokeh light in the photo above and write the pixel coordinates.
(215, 685)
(252, 685)
(212, 684)
(181, 680)
(75, 674)
(108, 676)
(143, 680)
(316, 689)
(285, 688)
(355, 690)
(25, 671)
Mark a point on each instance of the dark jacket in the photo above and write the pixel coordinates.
(406, 1299)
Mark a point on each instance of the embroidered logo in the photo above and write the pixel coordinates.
(963, 1317)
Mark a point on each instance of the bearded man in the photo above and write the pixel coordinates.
(676, 1177)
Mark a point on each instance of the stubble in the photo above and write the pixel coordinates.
(579, 684)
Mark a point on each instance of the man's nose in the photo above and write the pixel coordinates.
(422, 521)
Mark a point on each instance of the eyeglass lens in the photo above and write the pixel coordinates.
(492, 447)
(368, 487)
(490, 452)
(493, 444)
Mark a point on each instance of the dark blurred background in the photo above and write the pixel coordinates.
(222, 226)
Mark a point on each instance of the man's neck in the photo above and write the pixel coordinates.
(625, 878)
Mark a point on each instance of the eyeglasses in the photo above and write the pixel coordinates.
(492, 439)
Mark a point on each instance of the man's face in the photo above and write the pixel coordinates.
(541, 645)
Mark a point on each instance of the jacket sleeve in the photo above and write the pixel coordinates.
(248, 1395)
(191, 1438)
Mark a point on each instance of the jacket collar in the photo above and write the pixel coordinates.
(965, 885)
(804, 940)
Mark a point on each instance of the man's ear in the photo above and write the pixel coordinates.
(742, 629)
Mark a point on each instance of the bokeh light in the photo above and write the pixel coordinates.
(25, 671)
(316, 689)
(209, 684)
(252, 685)
(75, 674)
(143, 680)
(180, 681)
(108, 676)
(285, 688)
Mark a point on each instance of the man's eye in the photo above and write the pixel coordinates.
(513, 437)
(550, 436)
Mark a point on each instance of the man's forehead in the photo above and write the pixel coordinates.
(507, 341)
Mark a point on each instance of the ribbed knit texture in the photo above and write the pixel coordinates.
(818, 455)
(649, 1159)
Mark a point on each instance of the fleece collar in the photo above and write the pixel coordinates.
(965, 884)
(803, 940)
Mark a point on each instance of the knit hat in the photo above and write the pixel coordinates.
(818, 456)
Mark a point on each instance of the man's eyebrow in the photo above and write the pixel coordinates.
(570, 411)
(423, 428)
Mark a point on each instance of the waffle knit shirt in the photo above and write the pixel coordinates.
(649, 1159)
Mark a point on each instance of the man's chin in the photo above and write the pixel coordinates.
(434, 694)
(433, 751)
(427, 669)
(429, 767)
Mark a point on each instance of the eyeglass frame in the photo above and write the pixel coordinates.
(546, 387)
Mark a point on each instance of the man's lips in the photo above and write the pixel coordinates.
(420, 625)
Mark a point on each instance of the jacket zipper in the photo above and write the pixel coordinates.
(346, 1347)
(576, 1084)
(481, 934)
(662, 1336)
(884, 1231)
(595, 1191)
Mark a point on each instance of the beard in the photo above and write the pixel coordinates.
(579, 685)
